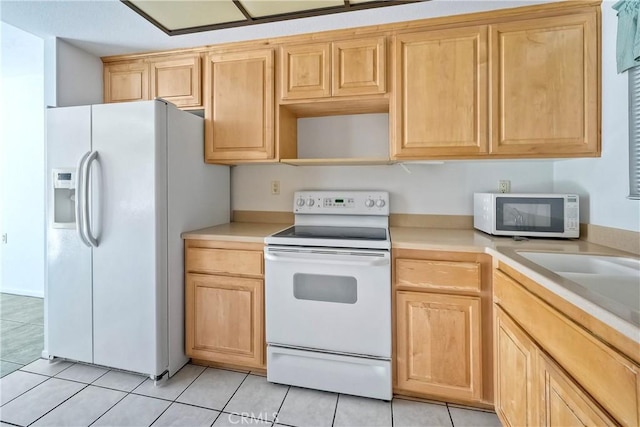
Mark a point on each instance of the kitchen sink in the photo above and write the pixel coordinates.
(584, 263)
(613, 277)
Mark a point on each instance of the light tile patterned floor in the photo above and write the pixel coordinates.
(60, 393)
(21, 331)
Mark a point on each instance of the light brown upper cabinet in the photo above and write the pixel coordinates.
(358, 67)
(545, 82)
(128, 81)
(439, 106)
(306, 71)
(239, 106)
(342, 68)
(174, 78)
(177, 79)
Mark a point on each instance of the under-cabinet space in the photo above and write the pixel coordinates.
(357, 138)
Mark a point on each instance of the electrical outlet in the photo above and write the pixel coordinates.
(275, 187)
(504, 186)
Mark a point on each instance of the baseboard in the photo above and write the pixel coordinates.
(22, 292)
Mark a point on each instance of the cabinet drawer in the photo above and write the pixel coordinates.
(226, 261)
(431, 274)
(612, 380)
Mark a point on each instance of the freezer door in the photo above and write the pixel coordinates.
(68, 296)
(129, 221)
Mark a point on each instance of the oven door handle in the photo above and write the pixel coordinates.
(350, 260)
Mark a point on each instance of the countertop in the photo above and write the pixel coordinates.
(503, 249)
(250, 232)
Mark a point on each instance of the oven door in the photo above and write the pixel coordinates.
(331, 300)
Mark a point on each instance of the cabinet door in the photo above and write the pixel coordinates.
(126, 82)
(224, 319)
(438, 345)
(563, 403)
(358, 67)
(305, 71)
(239, 106)
(545, 86)
(177, 80)
(515, 373)
(440, 102)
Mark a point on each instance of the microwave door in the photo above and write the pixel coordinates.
(545, 214)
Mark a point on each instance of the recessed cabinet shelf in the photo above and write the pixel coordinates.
(356, 161)
(361, 139)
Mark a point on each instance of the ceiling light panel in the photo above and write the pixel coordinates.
(175, 15)
(261, 8)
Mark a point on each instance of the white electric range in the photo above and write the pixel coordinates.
(328, 295)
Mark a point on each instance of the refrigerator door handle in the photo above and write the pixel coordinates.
(86, 214)
(80, 199)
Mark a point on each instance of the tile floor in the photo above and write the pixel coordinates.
(61, 393)
(37, 392)
(21, 331)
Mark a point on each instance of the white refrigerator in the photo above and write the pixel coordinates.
(123, 181)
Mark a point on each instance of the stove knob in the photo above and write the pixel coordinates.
(369, 203)
(300, 202)
(380, 203)
(310, 202)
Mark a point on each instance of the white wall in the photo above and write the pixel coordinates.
(71, 75)
(429, 189)
(603, 182)
(22, 162)
(78, 76)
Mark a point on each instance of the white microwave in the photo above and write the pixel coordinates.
(527, 214)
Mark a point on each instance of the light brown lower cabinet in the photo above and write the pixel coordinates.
(550, 370)
(442, 333)
(439, 344)
(563, 403)
(531, 389)
(224, 298)
(515, 371)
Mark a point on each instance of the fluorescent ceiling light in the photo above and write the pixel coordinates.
(189, 16)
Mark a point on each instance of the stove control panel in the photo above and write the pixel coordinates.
(341, 202)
